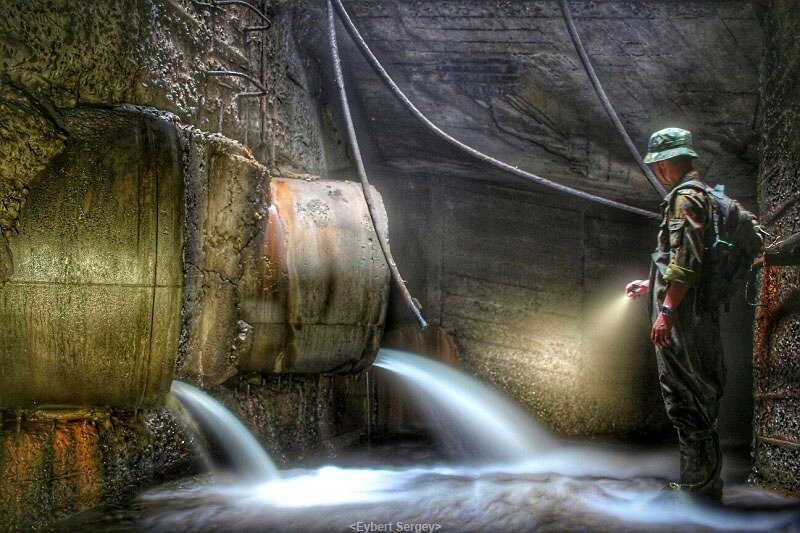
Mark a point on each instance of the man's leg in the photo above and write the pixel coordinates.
(692, 377)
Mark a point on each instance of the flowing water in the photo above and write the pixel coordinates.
(226, 442)
(466, 415)
(519, 478)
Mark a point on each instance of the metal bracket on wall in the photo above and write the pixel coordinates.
(248, 94)
(235, 74)
(267, 22)
(267, 25)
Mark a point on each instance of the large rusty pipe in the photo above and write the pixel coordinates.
(283, 275)
(317, 294)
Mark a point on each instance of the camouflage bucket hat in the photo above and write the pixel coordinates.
(668, 143)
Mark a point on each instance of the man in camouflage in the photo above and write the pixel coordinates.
(685, 308)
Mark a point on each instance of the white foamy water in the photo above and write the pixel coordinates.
(456, 498)
(660, 507)
(527, 480)
(465, 414)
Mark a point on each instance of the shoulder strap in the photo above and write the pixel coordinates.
(719, 208)
(695, 185)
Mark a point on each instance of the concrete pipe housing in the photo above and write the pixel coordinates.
(91, 314)
(282, 276)
(144, 243)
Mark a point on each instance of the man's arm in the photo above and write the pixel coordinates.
(660, 333)
(686, 237)
(637, 288)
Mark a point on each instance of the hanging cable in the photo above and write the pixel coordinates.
(383, 239)
(598, 88)
(387, 80)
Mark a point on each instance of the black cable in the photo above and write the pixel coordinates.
(373, 61)
(383, 239)
(598, 88)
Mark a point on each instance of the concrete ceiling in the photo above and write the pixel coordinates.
(504, 78)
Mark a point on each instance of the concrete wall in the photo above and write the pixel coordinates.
(53, 468)
(526, 277)
(529, 285)
(777, 349)
(504, 77)
(521, 278)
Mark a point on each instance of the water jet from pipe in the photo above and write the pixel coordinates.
(227, 444)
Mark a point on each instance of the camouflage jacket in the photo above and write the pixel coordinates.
(686, 231)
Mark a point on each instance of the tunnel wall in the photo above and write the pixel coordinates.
(52, 468)
(777, 345)
(60, 55)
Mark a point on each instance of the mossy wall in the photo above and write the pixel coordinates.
(62, 54)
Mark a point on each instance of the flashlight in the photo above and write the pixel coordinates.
(634, 287)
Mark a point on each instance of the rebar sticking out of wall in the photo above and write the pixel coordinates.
(267, 22)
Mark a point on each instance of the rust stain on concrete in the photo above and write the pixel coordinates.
(766, 314)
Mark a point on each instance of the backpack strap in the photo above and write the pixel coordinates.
(696, 185)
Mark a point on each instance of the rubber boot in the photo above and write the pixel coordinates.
(701, 465)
